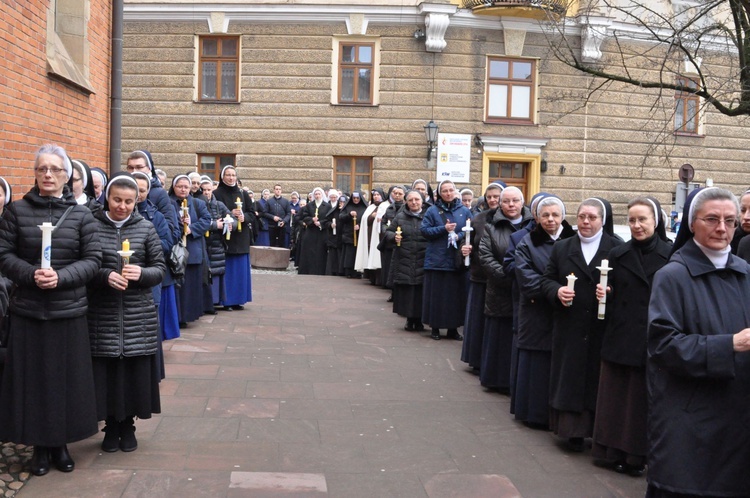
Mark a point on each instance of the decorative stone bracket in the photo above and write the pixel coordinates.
(436, 21)
(593, 33)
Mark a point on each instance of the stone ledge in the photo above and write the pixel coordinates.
(273, 258)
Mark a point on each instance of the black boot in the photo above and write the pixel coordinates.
(111, 442)
(409, 325)
(40, 461)
(435, 334)
(61, 458)
(453, 334)
(128, 442)
(418, 326)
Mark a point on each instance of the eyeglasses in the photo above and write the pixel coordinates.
(713, 221)
(42, 170)
(642, 220)
(136, 167)
(590, 217)
(511, 201)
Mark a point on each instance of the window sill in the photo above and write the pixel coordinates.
(223, 102)
(510, 122)
(355, 104)
(688, 134)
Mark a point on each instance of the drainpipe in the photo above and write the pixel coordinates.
(115, 110)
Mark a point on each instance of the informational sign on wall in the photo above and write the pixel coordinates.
(453, 157)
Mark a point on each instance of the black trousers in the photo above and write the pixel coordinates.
(276, 234)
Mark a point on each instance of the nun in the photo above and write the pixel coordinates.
(216, 240)
(510, 217)
(99, 179)
(395, 202)
(333, 233)
(445, 277)
(123, 323)
(350, 224)
(622, 405)
(698, 367)
(744, 229)
(313, 252)
(367, 260)
(6, 195)
(48, 385)
(237, 275)
(474, 322)
(195, 220)
(569, 285)
(530, 391)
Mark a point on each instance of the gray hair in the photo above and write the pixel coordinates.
(711, 194)
(550, 201)
(58, 151)
(599, 205)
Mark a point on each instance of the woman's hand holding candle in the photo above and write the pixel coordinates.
(45, 278)
(117, 281)
(131, 272)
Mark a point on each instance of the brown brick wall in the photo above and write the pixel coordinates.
(35, 109)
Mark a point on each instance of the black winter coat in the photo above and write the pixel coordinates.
(217, 241)
(576, 331)
(407, 265)
(345, 222)
(492, 248)
(699, 387)
(76, 255)
(477, 272)
(124, 323)
(534, 312)
(624, 339)
(241, 240)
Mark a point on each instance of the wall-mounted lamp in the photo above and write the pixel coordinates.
(431, 133)
(562, 169)
(543, 166)
(419, 34)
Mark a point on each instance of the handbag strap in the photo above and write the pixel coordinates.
(65, 215)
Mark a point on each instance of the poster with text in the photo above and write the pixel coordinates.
(453, 157)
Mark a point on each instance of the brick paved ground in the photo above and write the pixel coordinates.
(315, 390)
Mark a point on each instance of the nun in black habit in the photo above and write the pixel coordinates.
(350, 221)
(621, 408)
(313, 251)
(333, 234)
(577, 332)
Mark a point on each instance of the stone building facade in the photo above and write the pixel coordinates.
(277, 89)
(54, 83)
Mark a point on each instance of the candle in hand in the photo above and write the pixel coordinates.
(46, 229)
(238, 204)
(467, 230)
(571, 284)
(603, 270)
(398, 232)
(125, 245)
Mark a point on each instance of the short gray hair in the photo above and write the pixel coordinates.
(58, 151)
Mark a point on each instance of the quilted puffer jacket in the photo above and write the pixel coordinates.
(75, 253)
(124, 323)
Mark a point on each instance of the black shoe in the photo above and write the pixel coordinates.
(238, 307)
(575, 444)
(61, 458)
(111, 442)
(418, 326)
(183, 325)
(227, 308)
(620, 467)
(635, 470)
(211, 312)
(435, 334)
(390, 299)
(453, 334)
(128, 442)
(409, 327)
(40, 461)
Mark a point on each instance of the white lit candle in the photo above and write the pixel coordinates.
(603, 270)
(46, 229)
(467, 230)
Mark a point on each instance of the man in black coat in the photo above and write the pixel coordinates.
(277, 213)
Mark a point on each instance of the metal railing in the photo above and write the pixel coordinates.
(557, 7)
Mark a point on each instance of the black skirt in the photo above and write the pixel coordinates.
(621, 415)
(444, 298)
(407, 300)
(474, 323)
(333, 261)
(127, 387)
(497, 343)
(530, 400)
(47, 396)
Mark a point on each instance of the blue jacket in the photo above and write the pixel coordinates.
(438, 255)
(200, 221)
(149, 211)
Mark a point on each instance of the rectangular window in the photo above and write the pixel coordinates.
(212, 164)
(218, 68)
(687, 108)
(355, 63)
(510, 90)
(353, 173)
